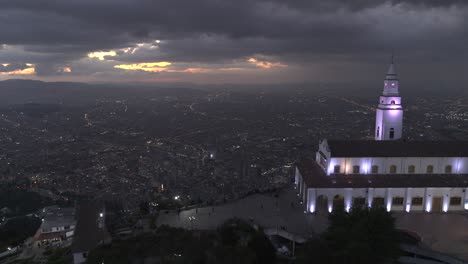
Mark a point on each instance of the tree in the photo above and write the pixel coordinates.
(364, 235)
(264, 250)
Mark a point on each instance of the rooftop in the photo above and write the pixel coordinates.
(397, 148)
(57, 216)
(315, 177)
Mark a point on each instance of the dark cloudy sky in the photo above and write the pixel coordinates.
(232, 41)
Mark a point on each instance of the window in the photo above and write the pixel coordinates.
(393, 102)
(392, 133)
(393, 169)
(337, 169)
(378, 131)
(359, 201)
(455, 200)
(411, 169)
(448, 169)
(430, 169)
(397, 201)
(417, 201)
(375, 169)
(356, 169)
(378, 201)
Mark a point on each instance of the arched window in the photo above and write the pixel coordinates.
(375, 169)
(392, 102)
(448, 169)
(356, 169)
(430, 169)
(337, 169)
(393, 169)
(411, 169)
(392, 133)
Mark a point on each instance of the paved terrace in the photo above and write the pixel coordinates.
(443, 232)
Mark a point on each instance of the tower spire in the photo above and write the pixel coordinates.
(389, 114)
(391, 73)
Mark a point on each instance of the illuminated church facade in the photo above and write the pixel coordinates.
(427, 176)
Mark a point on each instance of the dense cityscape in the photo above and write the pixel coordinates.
(201, 146)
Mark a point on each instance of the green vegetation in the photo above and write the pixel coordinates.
(16, 230)
(234, 242)
(59, 256)
(20, 201)
(365, 235)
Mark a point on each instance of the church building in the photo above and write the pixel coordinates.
(400, 175)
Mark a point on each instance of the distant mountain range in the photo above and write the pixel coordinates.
(19, 91)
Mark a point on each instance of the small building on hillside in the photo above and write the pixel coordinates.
(58, 225)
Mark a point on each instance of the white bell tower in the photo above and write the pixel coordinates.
(389, 116)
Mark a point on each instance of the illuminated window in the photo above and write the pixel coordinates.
(448, 169)
(392, 132)
(417, 201)
(397, 201)
(411, 169)
(393, 169)
(356, 169)
(337, 169)
(455, 200)
(375, 169)
(393, 84)
(430, 169)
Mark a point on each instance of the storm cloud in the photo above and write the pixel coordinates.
(328, 38)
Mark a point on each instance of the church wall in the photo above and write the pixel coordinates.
(459, 165)
(311, 200)
(428, 194)
(397, 192)
(388, 100)
(387, 119)
(456, 192)
(462, 165)
(297, 176)
(416, 192)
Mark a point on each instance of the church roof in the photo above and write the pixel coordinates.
(315, 177)
(397, 148)
(391, 70)
(391, 73)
